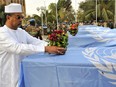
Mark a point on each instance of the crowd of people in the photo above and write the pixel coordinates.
(109, 23)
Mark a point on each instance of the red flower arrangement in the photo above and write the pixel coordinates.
(73, 29)
(58, 38)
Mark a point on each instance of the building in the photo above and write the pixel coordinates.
(22, 2)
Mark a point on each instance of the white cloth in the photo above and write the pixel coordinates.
(14, 45)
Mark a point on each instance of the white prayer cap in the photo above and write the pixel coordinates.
(13, 8)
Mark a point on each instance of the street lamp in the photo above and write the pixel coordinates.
(74, 15)
(56, 15)
(115, 16)
(96, 11)
(75, 12)
(45, 12)
(38, 9)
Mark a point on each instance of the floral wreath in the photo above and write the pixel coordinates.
(58, 38)
(73, 29)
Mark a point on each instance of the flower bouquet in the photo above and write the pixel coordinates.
(58, 38)
(73, 29)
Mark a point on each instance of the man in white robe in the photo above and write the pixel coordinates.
(15, 43)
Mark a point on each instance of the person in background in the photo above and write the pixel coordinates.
(15, 44)
(39, 32)
(64, 27)
(105, 23)
(33, 30)
(110, 24)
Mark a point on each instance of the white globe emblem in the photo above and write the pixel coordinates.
(104, 59)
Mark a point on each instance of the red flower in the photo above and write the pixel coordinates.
(73, 29)
(58, 38)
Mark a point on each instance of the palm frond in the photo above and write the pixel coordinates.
(104, 14)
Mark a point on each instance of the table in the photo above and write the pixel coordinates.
(93, 36)
(91, 66)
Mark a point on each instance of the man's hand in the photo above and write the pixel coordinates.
(55, 50)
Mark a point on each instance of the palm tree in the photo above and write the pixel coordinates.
(104, 10)
(2, 14)
(64, 10)
(52, 8)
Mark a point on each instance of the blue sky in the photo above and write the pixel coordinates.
(31, 5)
